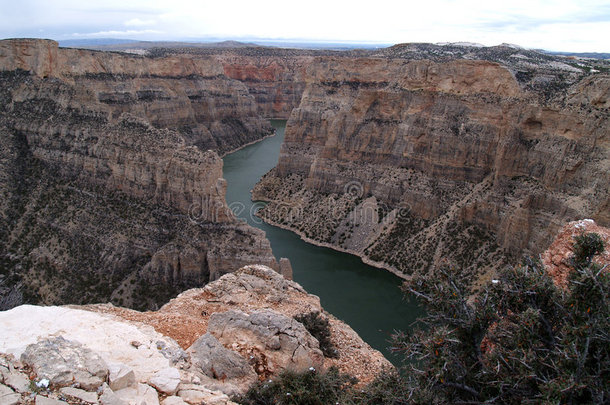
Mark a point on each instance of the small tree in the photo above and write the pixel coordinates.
(585, 247)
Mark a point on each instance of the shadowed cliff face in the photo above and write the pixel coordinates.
(99, 204)
(410, 163)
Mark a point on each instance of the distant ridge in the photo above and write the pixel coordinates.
(70, 43)
(109, 44)
(121, 44)
(592, 55)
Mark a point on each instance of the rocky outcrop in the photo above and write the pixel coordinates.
(99, 205)
(557, 258)
(250, 290)
(285, 342)
(409, 163)
(62, 362)
(112, 355)
(217, 362)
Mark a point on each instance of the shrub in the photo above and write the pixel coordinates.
(389, 388)
(300, 388)
(522, 340)
(585, 247)
(319, 327)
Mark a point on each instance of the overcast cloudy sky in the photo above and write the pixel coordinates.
(568, 25)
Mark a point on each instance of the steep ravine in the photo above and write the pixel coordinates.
(370, 301)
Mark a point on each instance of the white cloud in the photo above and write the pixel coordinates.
(136, 22)
(111, 34)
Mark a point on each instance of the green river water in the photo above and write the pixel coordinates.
(366, 298)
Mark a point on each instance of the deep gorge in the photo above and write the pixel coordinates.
(411, 157)
(367, 299)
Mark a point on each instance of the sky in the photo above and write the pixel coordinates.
(560, 25)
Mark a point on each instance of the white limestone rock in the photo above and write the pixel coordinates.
(173, 400)
(8, 396)
(40, 400)
(120, 376)
(104, 334)
(108, 397)
(80, 395)
(141, 394)
(14, 379)
(65, 363)
(166, 380)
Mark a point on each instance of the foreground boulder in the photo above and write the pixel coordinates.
(284, 341)
(215, 361)
(65, 363)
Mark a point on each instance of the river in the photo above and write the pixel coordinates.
(366, 298)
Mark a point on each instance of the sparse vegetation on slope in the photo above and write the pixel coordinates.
(319, 327)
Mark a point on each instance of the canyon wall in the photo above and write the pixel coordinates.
(415, 163)
(277, 82)
(275, 77)
(105, 200)
(182, 92)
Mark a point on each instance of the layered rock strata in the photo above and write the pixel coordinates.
(275, 77)
(412, 163)
(99, 204)
(207, 344)
(190, 95)
(276, 82)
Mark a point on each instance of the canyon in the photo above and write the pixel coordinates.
(410, 157)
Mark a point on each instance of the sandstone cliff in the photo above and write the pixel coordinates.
(190, 95)
(206, 345)
(411, 162)
(276, 82)
(99, 204)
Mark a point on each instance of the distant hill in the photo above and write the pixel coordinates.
(109, 44)
(84, 43)
(112, 44)
(592, 55)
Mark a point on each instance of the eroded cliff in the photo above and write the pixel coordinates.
(99, 204)
(409, 163)
(191, 95)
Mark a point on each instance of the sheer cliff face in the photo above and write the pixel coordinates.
(98, 204)
(276, 82)
(191, 95)
(411, 163)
